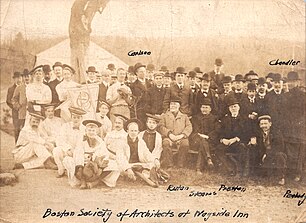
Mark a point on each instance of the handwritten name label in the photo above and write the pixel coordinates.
(296, 195)
(232, 188)
(287, 63)
(133, 53)
(177, 188)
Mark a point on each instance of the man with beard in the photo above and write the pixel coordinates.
(9, 101)
(270, 144)
(31, 148)
(47, 74)
(175, 129)
(294, 133)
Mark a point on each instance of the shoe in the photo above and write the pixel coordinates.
(49, 164)
(18, 166)
(282, 182)
(297, 178)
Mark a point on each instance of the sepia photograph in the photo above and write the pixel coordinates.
(160, 111)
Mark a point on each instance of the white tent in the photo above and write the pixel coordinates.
(97, 56)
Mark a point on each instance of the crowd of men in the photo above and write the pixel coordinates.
(150, 120)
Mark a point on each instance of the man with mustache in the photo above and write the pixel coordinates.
(32, 149)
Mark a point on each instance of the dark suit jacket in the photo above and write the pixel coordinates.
(184, 94)
(155, 98)
(216, 82)
(52, 85)
(139, 90)
(262, 105)
(276, 141)
(211, 96)
(9, 97)
(193, 94)
(102, 94)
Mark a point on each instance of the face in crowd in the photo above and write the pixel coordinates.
(47, 76)
(76, 120)
(91, 76)
(205, 109)
(238, 85)
(277, 85)
(141, 72)
(227, 87)
(151, 124)
(131, 77)
(293, 83)
(133, 130)
(205, 84)
(18, 80)
(192, 81)
(251, 93)
(49, 112)
(113, 79)
(262, 88)
(167, 80)
(67, 74)
(179, 78)
(38, 76)
(98, 78)
(218, 68)
(150, 74)
(174, 107)
(91, 130)
(118, 124)
(265, 125)
(34, 122)
(103, 110)
(106, 76)
(234, 109)
(158, 80)
(121, 74)
(58, 71)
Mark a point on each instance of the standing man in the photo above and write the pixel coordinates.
(47, 74)
(91, 75)
(261, 96)
(58, 71)
(103, 86)
(9, 101)
(181, 90)
(175, 129)
(227, 86)
(217, 75)
(150, 74)
(194, 87)
(238, 85)
(156, 95)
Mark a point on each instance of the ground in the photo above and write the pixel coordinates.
(38, 190)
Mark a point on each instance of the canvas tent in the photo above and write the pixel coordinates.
(97, 56)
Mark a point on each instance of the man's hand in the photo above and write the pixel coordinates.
(172, 137)
(203, 136)
(253, 141)
(263, 158)
(131, 174)
(225, 142)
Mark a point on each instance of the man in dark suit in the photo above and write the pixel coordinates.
(58, 71)
(227, 86)
(10, 92)
(270, 144)
(181, 90)
(238, 85)
(294, 133)
(155, 96)
(47, 74)
(207, 93)
(139, 89)
(217, 75)
(261, 96)
(233, 140)
(194, 87)
(103, 86)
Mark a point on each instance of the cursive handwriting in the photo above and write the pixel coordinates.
(232, 188)
(133, 53)
(288, 62)
(177, 188)
(302, 197)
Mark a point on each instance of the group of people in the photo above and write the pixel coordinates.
(152, 120)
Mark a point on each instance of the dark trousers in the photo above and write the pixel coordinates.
(18, 125)
(167, 154)
(275, 164)
(234, 157)
(296, 156)
(203, 147)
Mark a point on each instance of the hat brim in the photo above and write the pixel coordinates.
(94, 122)
(133, 120)
(37, 115)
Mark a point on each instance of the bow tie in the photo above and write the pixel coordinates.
(75, 128)
(252, 100)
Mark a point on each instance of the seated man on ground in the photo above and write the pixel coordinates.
(175, 127)
(134, 157)
(206, 128)
(32, 150)
(88, 150)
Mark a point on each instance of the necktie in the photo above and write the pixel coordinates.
(252, 100)
(205, 93)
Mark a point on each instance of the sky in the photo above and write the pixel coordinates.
(281, 19)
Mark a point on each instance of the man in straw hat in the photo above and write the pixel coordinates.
(32, 150)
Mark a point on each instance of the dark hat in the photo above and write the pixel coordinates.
(35, 69)
(218, 62)
(198, 70)
(251, 87)
(130, 69)
(25, 72)
(137, 66)
(16, 74)
(102, 102)
(270, 75)
(293, 76)
(77, 111)
(111, 66)
(205, 101)
(158, 74)
(155, 117)
(150, 67)
(132, 120)
(277, 77)
(175, 99)
(180, 70)
(169, 75)
(232, 101)
(227, 79)
(67, 67)
(261, 81)
(57, 64)
(37, 115)
(267, 117)
(250, 73)
(205, 77)
(92, 122)
(239, 77)
(121, 117)
(91, 69)
(46, 68)
(192, 74)
(164, 69)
